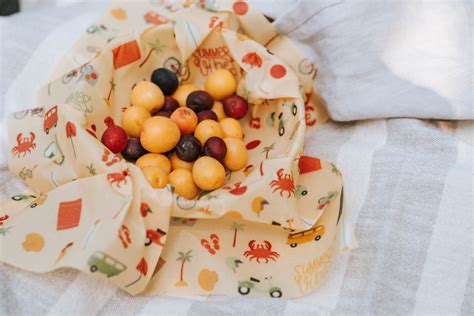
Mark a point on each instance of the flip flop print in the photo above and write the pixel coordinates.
(215, 244)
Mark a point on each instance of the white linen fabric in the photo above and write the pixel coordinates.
(408, 182)
(379, 59)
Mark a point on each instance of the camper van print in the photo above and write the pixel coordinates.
(314, 233)
(103, 263)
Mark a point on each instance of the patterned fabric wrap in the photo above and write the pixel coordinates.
(273, 230)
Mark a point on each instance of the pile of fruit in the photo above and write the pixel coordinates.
(181, 135)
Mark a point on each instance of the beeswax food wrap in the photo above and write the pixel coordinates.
(274, 228)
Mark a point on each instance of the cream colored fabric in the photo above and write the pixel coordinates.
(272, 230)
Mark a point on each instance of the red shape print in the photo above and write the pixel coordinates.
(236, 189)
(126, 54)
(145, 209)
(308, 164)
(92, 130)
(252, 59)
(69, 214)
(253, 144)
(3, 219)
(240, 7)
(277, 71)
(255, 122)
(155, 18)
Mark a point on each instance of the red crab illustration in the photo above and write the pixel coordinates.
(118, 177)
(261, 251)
(25, 145)
(285, 182)
(236, 189)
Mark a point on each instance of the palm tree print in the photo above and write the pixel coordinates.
(183, 257)
(155, 47)
(112, 88)
(91, 169)
(335, 170)
(266, 150)
(236, 227)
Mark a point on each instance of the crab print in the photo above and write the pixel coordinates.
(261, 252)
(284, 183)
(25, 145)
(118, 177)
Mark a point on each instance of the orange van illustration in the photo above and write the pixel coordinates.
(50, 119)
(314, 233)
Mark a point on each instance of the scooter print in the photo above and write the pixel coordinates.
(255, 284)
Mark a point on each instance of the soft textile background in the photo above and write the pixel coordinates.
(381, 59)
(408, 186)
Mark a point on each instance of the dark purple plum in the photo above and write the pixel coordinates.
(188, 148)
(215, 148)
(199, 101)
(163, 113)
(206, 115)
(166, 80)
(133, 150)
(170, 104)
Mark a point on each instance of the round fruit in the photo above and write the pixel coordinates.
(183, 183)
(208, 173)
(163, 113)
(148, 95)
(231, 128)
(170, 104)
(206, 129)
(220, 84)
(159, 134)
(235, 106)
(156, 177)
(154, 160)
(181, 94)
(133, 150)
(115, 138)
(177, 163)
(186, 120)
(236, 157)
(199, 101)
(218, 108)
(206, 115)
(215, 147)
(188, 148)
(133, 118)
(165, 79)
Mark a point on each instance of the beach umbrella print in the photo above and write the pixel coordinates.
(252, 59)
